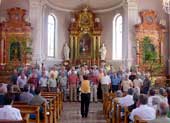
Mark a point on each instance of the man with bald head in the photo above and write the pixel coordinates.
(163, 110)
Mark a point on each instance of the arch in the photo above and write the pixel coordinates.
(117, 37)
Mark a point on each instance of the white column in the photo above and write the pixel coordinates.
(168, 46)
(130, 19)
(35, 13)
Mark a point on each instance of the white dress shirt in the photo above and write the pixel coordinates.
(163, 99)
(9, 113)
(126, 101)
(21, 82)
(144, 112)
(43, 82)
(105, 80)
(150, 100)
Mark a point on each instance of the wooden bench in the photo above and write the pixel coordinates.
(25, 119)
(58, 101)
(29, 109)
(24, 107)
(107, 105)
(52, 108)
(114, 113)
(127, 113)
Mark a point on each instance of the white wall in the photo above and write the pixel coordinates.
(64, 19)
(7, 4)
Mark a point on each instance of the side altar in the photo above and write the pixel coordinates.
(15, 43)
(85, 38)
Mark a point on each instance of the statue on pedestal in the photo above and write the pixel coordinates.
(66, 51)
(103, 52)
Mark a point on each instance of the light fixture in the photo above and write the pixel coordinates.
(166, 6)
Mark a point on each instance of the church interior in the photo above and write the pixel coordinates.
(84, 61)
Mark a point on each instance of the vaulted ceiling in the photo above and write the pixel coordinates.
(93, 4)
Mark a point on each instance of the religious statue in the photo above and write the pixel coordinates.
(15, 51)
(103, 52)
(66, 51)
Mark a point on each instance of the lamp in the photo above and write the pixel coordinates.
(166, 6)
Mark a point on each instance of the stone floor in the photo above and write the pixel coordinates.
(71, 113)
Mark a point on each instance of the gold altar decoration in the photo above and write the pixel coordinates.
(15, 38)
(151, 29)
(85, 38)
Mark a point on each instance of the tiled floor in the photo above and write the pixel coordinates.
(71, 113)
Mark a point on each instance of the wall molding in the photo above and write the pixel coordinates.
(73, 10)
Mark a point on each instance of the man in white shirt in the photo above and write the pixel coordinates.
(162, 95)
(128, 99)
(43, 82)
(143, 111)
(163, 110)
(7, 112)
(21, 81)
(105, 83)
(151, 96)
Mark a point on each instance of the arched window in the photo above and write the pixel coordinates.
(51, 35)
(117, 37)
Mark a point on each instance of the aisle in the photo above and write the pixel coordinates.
(71, 113)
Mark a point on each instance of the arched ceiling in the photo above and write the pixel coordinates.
(93, 4)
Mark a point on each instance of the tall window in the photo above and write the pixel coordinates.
(117, 37)
(51, 35)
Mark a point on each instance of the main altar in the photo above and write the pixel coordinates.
(85, 38)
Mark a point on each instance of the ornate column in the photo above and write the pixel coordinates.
(75, 47)
(36, 17)
(98, 41)
(94, 47)
(71, 47)
(129, 42)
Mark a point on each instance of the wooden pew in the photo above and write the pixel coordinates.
(18, 103)
(108, 110)
(25, 119)
(29, 109)
(58, 101)
(127, 113)
(117, 112)
(105, 100)
(114, 114)
(52, 108)
(137, 119)
(108, 105)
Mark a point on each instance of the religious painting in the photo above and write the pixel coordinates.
(149, 51)
(85, 44)
(15, 51)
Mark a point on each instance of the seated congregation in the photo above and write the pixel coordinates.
(132, 106)
(24, 100)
